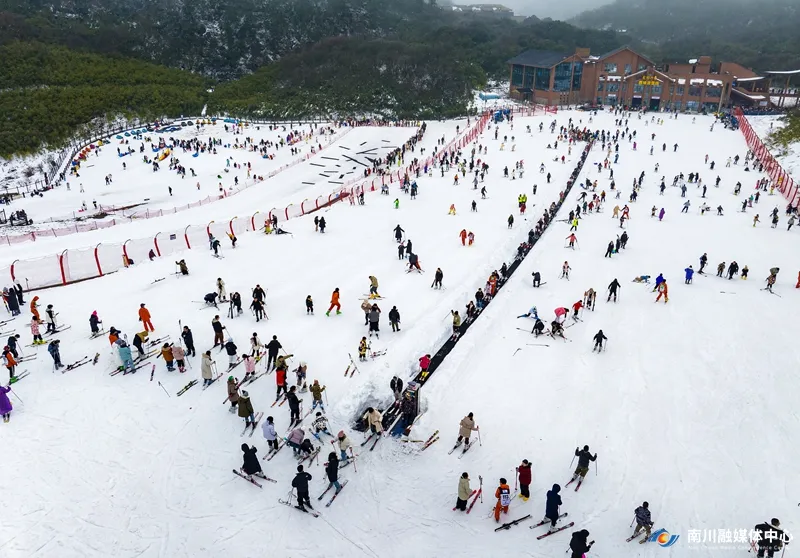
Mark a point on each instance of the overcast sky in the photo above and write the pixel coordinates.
(563, 9)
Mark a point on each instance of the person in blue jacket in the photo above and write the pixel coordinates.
(125, 355)
(660, 279)
(689, 273)
(532, 313)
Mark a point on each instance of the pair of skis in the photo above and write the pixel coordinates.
(370, 437)
(430, 441)
(335, 494)
(249, 478)
(273, 452)
(187, 387)
(577, 487)
(76, 364)
(458, 444)
(352, 366)
(253, 425)
(554, 531)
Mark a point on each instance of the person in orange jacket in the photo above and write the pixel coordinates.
(463, 235)
(144, 317)
(113, 335)
(798, 281)
(503, 495)
(334, 303)
(663, 290)
(35, 308)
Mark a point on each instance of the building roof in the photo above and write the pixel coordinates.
(539, 58)
(789, 72)
(620, 49)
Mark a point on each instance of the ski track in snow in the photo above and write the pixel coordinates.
(686, 408)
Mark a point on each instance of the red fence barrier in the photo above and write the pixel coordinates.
(779, 177)
(87, 263)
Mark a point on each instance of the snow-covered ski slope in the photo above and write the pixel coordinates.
(764, 126)
(685, 408)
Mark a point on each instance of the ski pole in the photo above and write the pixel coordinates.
(571, 462)
(479, 436)
(15, 395)
(353, 457)
(480, 490)
(595, 468)
(516, 478)
(165, 390)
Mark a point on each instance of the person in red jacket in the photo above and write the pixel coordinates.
(424, 362)
(144, 317)
(280, 379)
(576, 308)
(524, 472)
(463, 235)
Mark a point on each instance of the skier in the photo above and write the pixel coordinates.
(556, 328)
(551, 506)
(268, 429)
(188, 340)
(572, 239)
(394, 318)
(94, 323)
(720, 269)
(211, 300)
(309, 305)
(576, 308)
(231, 349)
(503, 495)
(332, 470)
(233, 393)
(316, 393)
(609, 250)
(398, 233)
(35, 308)
(770, 538)
(532, 313)
(300, 482)
(375, 421)
(13, 344)
(10, 363)
(294, 406)
(663, 289)
(246, 410)
(184, 269)
(144, 317)
(258, 309)
(578, 544)
(166, 354)
(466, 427)
(256, 346)
(295, 440)
(374, 321)
(464, 492)
(334, 303)
(733, 269)
(612, 290)
(51, 319)
(206, 370)
(584, 457)
(598, 341)
(280, 382)
(54, 349)
(538, 327)
(5, 403)
(249, 366)
(643, 521)
(524, 471)
(437, 278)
(703, 262)
(689, 273)
(251, 465)
(362, 349)
(565, 269)
(373, 287)
(537, 279)
(37, 336)
(272, 352)
(456, 321)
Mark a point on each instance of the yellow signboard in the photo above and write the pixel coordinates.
(649, 81)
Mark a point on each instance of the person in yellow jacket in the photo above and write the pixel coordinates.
(362, 349)
(464, 492)
(373, 287)
(456, 320)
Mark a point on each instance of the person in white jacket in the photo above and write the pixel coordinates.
(223, 294)
(268, 428)
(256, 346)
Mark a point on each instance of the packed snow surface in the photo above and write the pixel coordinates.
(691, 407)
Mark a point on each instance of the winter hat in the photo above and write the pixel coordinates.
(245, 394)
(341, 434)
(503, 481)
(319, 414)
(94, 313)
(230, 378)
(775, 522)
(299, 468)
(585, 448)
(645, 504)
(244, 447)
(270, 419)
(525, 462)
(274, 337)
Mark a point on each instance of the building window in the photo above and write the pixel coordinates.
(642, 67)
(713, 91)
(680, 90)
(671, 90)
(577, 75)
(528, 81)
(692, 105)
(656, 90)
(638, 88)
(611, 100)
(563, 77)
(600, 85)
(516, 75)
(628, 69)
(676, 105)
(542, 79)
(599, 100)
(612, 87)
(610, 68)
(695, 90)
